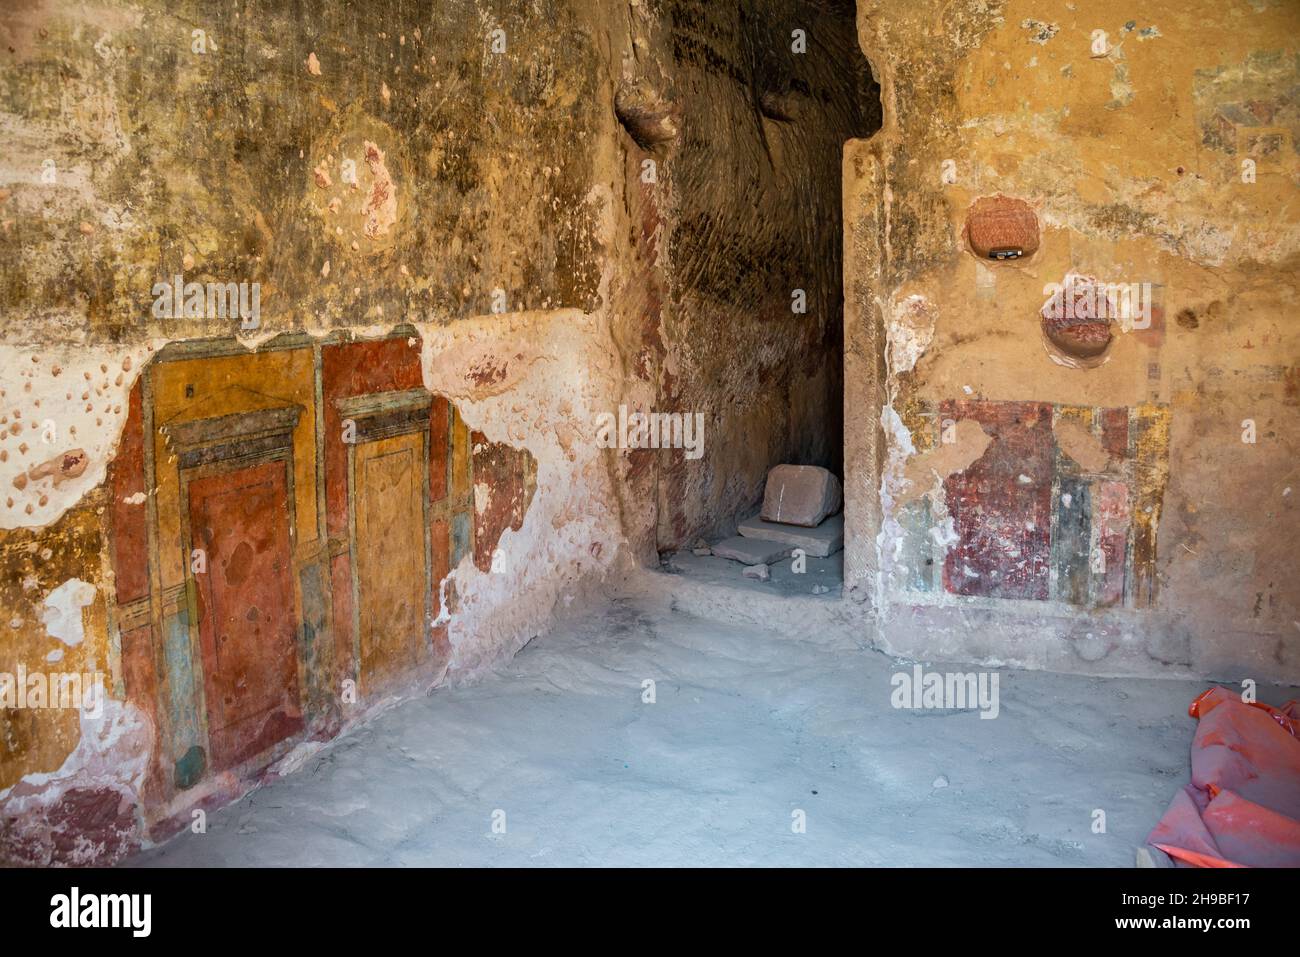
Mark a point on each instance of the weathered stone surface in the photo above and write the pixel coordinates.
(801, 495)
(752, 551)
(758, 572)
(826, 539)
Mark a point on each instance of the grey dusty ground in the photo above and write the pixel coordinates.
(749, 725)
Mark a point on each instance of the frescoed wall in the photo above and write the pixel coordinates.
(433, 232)
(282, 526)
(1079, 481)
(366, 168)
(1061, 506)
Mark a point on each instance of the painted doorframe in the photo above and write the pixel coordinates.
(218, 445)
(384, 415)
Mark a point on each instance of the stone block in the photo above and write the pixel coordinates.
(801, 495)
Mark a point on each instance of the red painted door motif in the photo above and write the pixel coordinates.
(245, 606)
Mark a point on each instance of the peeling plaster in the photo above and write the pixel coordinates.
(108, 765)
(560, 380)
(62, 617)
(911, 330)
(1081, 445)
(967, 443)
(1125, 194)
(484, 172)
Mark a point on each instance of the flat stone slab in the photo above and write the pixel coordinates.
(826, 539)
(752, 551)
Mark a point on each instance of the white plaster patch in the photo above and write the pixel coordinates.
(298, 757)
(560, 372)
(62, 614)
(898, 431)
(53, 401)
(944, 534)
(910, 331)
(899, 447)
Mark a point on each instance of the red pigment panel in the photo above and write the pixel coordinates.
(139, 672)
(1001, 504)
(100, 818)
(503, 471)
(1112, 539)
(246, 610)
(439, 448)
(1114, 432)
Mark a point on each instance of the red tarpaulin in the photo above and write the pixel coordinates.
(1242, 808)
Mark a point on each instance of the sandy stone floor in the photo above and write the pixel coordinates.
(749, 726)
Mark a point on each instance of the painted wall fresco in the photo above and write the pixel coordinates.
(366, 167)
(1058, 507)
(282, 525)
(212, 140)
(1117, 491)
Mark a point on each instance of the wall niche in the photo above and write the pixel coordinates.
(1078, 321)
(1001, 228)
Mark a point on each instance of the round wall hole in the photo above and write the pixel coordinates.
(1076, 321)
(1001, 228)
